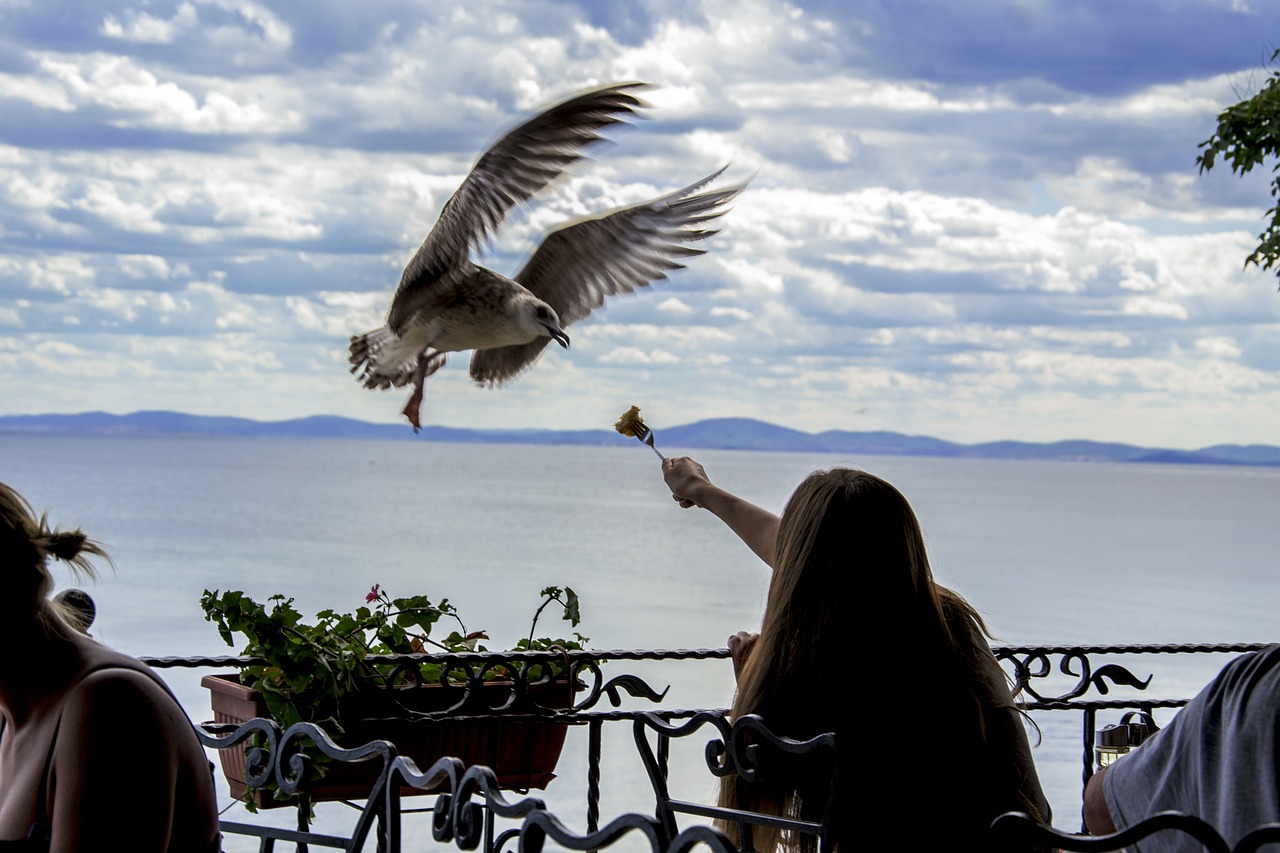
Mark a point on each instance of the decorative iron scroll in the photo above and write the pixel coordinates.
(1021, 827)
(478, 679)
(541, 824)
(292, 761)
(280, 757)
(259, 760)
(1034, 663)
(738, 749)
(1074, 663)
(750, 734)
(458, 816)
(476, 694)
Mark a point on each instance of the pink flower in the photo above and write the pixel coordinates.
(373, 594)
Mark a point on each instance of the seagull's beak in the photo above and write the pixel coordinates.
(560, 337)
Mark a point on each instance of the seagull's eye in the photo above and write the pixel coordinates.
(542, 313)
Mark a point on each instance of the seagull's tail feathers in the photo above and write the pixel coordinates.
(381, 359)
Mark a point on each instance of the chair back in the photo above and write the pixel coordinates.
(750, 750)
(1017, 830)
(276, 757)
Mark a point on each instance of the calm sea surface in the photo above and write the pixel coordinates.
(1050, 552)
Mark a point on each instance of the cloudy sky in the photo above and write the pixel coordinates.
(973, 220)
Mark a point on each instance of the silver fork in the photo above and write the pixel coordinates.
(647, 438)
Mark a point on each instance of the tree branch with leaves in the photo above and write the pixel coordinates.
(1248, 134)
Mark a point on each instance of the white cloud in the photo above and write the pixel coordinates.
(1201, 98)
(1219, 346)
(43, 93)
(1149, 307)
(634, 355)
(102, 200)
(970, 246)
(50, 274)
(148, 29)
(143, 266)
(137, 97)
(733, 312)
(260, 21)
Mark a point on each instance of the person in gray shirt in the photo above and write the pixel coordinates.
(1217, 760)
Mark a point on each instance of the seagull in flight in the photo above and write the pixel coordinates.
(447, 303)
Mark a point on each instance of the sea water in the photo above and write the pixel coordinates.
(1049, 552)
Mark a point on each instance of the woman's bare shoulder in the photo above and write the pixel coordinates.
(115, 683)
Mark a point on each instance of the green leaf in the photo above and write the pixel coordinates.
(572, 611)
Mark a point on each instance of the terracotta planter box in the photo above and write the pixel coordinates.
(522, 755)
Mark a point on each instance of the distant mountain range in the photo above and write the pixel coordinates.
(717, 433)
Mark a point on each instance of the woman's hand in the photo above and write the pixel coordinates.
(740, 646)
(686, 479)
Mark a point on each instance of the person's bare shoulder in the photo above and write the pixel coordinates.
(118, 691)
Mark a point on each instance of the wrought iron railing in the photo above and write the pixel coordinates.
(1051, 681)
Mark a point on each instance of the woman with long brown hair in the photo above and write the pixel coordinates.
(859, 640)
(95, 752)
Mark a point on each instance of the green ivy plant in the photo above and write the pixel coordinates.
(311, 666)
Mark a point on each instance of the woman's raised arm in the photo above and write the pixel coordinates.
(690, 487)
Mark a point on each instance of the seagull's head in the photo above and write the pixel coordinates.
(543, 320)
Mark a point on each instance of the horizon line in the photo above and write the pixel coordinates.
(609, 430)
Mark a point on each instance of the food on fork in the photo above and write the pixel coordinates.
(631, 424)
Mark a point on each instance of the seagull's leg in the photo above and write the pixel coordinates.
(412, 409)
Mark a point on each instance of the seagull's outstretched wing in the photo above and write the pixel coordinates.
(516, 167)
(580, 264)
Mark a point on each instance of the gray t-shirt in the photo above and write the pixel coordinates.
(1217, 759)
